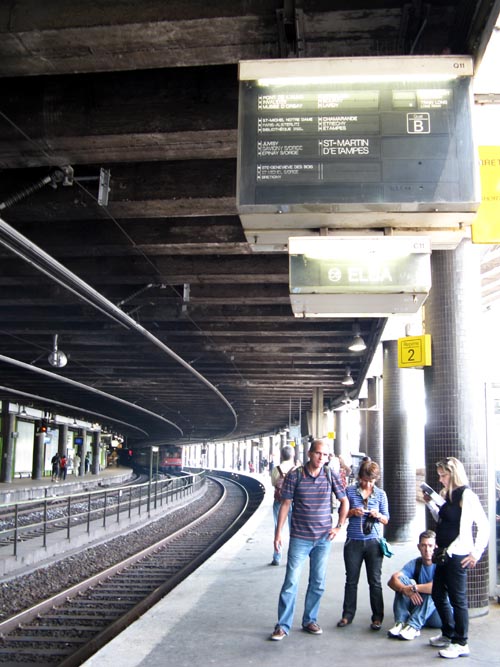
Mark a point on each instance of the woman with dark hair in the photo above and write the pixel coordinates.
(368, 512)
(457, 551)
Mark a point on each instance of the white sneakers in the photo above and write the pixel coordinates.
(395, 630)
(448, 649)
(440, 641)
(409, 633)
(455, 651)
(401, 631)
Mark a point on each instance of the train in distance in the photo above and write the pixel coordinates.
(169, 458)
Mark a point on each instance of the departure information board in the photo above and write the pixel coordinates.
(356, 144)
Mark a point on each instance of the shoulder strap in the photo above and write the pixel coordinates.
(328, 473)
(281, 473)
(418, 568)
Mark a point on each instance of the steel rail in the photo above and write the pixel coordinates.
(30, 614)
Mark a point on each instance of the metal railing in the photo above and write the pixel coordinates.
(37, 519)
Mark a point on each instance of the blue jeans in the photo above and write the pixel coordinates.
(299, 549)
(276, 509)
(415, 615)
(449, 592)
(355, 552)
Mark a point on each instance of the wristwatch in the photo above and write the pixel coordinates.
(413, 585)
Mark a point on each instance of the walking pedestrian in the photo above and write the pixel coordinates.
(309, 488)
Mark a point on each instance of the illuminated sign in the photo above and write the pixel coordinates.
(360, 135)
(486, 226)
(367, 275)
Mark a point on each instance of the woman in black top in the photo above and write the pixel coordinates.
(455, 541)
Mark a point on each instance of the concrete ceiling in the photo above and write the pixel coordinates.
(172, 324)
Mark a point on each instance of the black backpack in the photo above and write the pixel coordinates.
(279, 485)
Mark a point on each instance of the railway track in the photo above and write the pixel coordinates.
(41, 518)
(71, 626)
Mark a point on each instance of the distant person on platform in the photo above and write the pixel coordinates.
(309, 488)
(413, 604)
(278, 475)
(55, 461)
(76, 465)
(63, 468)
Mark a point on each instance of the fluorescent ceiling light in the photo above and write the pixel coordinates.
(350, 79)
(376, 247)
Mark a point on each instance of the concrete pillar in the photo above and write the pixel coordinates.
(453, 384)
(38, 450)
(83, 453)
(341, 447)
(363, 417)
(317, 410)
(7, 463)
(62, 441)
(400, 479)
(374, 423)
(96, 446)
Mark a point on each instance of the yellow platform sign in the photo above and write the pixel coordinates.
(414, 351)
(486, 225)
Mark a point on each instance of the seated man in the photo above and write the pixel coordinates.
(413, 604)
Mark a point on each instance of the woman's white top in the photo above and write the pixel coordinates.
(472, 512)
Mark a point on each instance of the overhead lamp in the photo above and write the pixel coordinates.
(23, 412)
(57, 358)
(347, 379)
(357, 344)
(346, 400)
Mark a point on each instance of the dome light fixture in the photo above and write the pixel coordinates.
(357, 344)
(347, 379)
(57, 358)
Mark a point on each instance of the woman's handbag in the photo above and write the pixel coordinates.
(385, 547)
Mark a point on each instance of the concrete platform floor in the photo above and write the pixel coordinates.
(224, 613)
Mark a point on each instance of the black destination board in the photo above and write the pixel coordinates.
(354, 144)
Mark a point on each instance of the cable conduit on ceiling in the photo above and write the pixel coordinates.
(80, 385)
(45, 263)
(73, 408)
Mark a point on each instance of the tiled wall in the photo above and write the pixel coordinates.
(453, 385)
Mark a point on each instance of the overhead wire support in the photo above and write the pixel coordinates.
(46, 264)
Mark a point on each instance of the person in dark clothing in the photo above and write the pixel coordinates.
(457, 551)
(55, 461)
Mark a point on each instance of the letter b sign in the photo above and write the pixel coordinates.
(418, 123)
